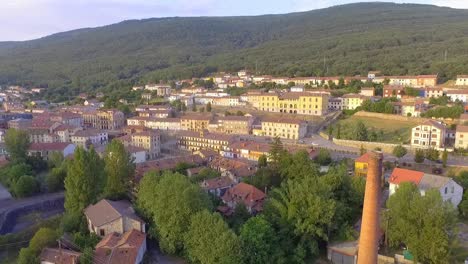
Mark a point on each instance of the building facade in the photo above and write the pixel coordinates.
(430, 134)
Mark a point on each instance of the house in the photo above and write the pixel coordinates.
(461, 137)
(448, 188)
(59, 256)
(217, 186)
(107, 217)
(85, 138)
(45, 150)
(20, 123)
(360, 165)
(393, 91)
(458, 95)
(245, 194)
(138, 154)
(306, 103)
(104, 119)
(367, 91)
(127, 248)
(165, 164)
(195, 122)
(235, 169)
(297, 89)
(352, 101)
(283, 127)
(194, 141)
(232, 125)
(462, 80)
(335, 103)
(94, 103)
(433, 92)
(429, 134)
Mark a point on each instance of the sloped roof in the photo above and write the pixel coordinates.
(246, 193)
(106, 211)
(219, 182)
(463, 129)
(430, 181)
(364, 158)
(63, 256)
(403, 175)
(120, 249)
(56, 146)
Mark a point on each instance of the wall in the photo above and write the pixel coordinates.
(386, 147)
(405, 118)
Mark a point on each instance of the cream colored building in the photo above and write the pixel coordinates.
(195, 122)
(194, 141)
(352, 101)
(461, 137)
(462, 80)
(283, 128)
(231, 125)
(104, 119)
(164, 123)
(430, 134)
(148, 140)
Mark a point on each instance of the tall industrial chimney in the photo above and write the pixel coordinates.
(369, 238)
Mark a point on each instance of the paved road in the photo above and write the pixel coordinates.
(11, 204)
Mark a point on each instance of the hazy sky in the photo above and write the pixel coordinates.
(29, 19)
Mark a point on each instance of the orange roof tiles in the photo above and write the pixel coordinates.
(403, 175)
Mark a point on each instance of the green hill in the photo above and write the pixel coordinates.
(342, 40)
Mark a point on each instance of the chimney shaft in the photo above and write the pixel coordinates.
(369, 238)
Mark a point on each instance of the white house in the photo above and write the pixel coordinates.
(460, 95)
(448, 188)
(45, 150)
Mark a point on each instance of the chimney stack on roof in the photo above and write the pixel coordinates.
(369, 238)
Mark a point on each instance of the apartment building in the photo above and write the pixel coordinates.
(194, 141)
(161, 89)
(295, 103)
(429, 134)
(195, 122)
(164, 123)
(461, 137)
(20, 123)
(104, 119)
(91, 136)
(335, 103)
(232, 125)
(435, 92)
(283, 128)
(458, 95)
(408, 80)
(148, 140)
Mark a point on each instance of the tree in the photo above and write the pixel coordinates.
(82, 182)
(44, 237)
(258, 241)
(17, 144)
(323, 158)
(330, 130)
(276, 151)
(194, 107)
(360, 132)
(424, 223)
(169, 201)
(119, 169)
(444, 158)
(26, 186)
(262, 161)
(209, 240)
(432, 154)
(208, 107)
(362, 150)
(419, 156)
(55, 179)
(399, 151)
(239, 217)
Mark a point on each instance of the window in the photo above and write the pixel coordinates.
(453, 189)
(445, 190)
(102, 232)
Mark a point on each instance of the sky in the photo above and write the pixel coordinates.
(30, 19)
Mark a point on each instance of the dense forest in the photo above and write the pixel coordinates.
(342, 40)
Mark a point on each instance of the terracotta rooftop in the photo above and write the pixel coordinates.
(62, 256)
(434, 124)
(217, 183)
(106, 211)
(245, 193)
(120, 249)
(364, 158)
(462, 129)
(88, 132)
(403, 175)
(165, 164)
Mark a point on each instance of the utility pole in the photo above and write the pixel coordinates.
(445, 56)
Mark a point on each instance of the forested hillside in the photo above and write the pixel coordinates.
(343, 40)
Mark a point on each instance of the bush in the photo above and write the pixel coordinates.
(25, 186)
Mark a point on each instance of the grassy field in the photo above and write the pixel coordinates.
(393, 131)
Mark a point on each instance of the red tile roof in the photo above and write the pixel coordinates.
(116, 249)
(55, 255)
(364, 158)
(463, 129)
(245, 193)
(403, 175)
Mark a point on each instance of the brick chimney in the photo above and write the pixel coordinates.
(369, 238)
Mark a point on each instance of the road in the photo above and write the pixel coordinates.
(12, 204)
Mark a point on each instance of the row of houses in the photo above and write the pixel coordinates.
(434, 134)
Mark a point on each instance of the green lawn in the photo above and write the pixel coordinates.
(393, 131)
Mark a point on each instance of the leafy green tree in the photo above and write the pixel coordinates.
(119, 169)
(262, 161)
(338, 131)
(44, 237)
(208, 107)
(170, 201)
(432, 154)
(330, 130)
(424, 223)
(360, 132)
(17, 144)
(419, 156)
(265, 178)
(323, 158)
(362, 150)
(209, 240)
(26, 186)
(82, 182)
(239, 217)
(87, 256)
(399, 151)
(258, 240)
(55, 179)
